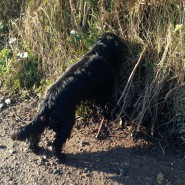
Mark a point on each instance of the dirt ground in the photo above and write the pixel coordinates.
(115, 159)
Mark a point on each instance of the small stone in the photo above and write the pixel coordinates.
(44, 157)
(50, 170)
(39, 162)
(56, 172)
(85, 170)
(26, 149)
(83, 143)
(3, 147)
(8, 101)
(12, 151)
(88, 175)
(85, 175)
(160, 178)
(50, 148)
(81, 150)
(2, 105)
(2, 100)
(47, 164)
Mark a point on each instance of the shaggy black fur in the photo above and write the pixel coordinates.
(91, 78)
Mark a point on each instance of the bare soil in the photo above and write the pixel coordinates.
(118, 158)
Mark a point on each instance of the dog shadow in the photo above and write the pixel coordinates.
(121, 164)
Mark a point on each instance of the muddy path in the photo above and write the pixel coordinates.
(116, 159)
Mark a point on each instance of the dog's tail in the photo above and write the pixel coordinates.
(36, 127)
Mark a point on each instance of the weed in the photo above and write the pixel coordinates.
(22, 73)
(5, 56)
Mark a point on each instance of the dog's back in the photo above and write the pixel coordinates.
(87, 79)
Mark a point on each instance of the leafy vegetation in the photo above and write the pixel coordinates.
(57, 33)
(23, 74)
(5, 56)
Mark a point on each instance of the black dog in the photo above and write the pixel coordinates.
(91, 78)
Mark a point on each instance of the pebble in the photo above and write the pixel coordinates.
(8, 101)
(81, 150)
(12, 151)
(85, 175)
(83, 143)
(1, 100)
(4, 102)
(50, 170)
(56, 172)
(3, 147)
(39, 162)
(44, 157)
(2, 105)
(85, 170)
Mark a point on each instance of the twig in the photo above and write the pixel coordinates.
(161, 148)
(73, 13)
(162, 61)
(102, 121)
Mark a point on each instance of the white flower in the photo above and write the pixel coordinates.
(22, 55)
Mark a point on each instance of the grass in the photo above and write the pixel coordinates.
(151, 81)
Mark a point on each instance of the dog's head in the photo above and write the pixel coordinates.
(109, 46)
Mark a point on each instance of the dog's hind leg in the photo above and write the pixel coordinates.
(31, 132)
(34, 138)
(63, 133)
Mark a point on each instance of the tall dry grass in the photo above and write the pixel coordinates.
(160, 28)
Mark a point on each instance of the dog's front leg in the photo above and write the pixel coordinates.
(33, 144)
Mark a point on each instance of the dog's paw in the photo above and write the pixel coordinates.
(35, 149)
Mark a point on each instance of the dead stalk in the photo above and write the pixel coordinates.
(129, 82)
